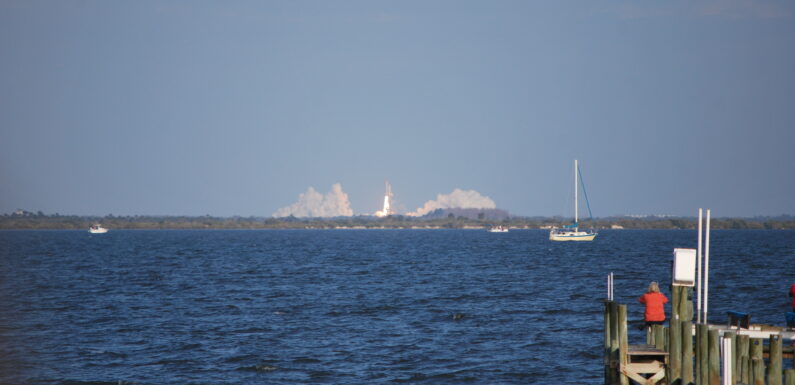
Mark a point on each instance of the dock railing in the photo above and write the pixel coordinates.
(700, 354)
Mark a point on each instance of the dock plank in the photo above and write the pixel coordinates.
(644, 350)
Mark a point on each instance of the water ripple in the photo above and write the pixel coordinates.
(354, 307)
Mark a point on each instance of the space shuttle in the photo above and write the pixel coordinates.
(387, 210)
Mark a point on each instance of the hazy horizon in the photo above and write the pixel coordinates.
(247, 108)
(512, 215)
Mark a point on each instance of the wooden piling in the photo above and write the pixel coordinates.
(666, 333)
(757, 348)
(743, 363)
(757, 363)
(775, 358)
(789, 377)
(713, 357)
(702, 357)
(758, 371)
(607, 343)
(675, 353)
(659, 336)
(614, 354)
(675, 338)
(623, 340)
(748, 363)
(687, 305)
(687, 352)
(686, 319)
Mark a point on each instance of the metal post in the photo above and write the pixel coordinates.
(728, 344)
(726, 356)
(576, 190)
(706, 270)
(612, 285)
(698, 257)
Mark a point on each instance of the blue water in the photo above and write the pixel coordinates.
(346, 307)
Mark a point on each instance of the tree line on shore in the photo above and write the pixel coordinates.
(40, 221)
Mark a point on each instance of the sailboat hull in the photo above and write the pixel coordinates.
(572, 236)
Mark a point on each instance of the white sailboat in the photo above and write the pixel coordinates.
(572, 232)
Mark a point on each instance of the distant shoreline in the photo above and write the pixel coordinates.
(356, 229)
(30, 221)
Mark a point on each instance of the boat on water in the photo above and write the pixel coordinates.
(498, 229)
(97, 229)
(572, 232)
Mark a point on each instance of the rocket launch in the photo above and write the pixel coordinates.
(387, 210)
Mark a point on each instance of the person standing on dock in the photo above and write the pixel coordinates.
(655, 305)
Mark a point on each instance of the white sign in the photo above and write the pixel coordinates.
(684, 267)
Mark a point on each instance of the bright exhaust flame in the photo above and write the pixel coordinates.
(387, 196)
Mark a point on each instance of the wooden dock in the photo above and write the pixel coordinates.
(695, 354)
(645, 364)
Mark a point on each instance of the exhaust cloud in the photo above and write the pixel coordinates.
(314, 204)
(464, 199)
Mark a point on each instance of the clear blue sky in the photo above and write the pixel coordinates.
(234, 108)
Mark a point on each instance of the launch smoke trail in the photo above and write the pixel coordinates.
(314, 204)
(464, 199)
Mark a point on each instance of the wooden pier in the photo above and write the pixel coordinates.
(735, 353)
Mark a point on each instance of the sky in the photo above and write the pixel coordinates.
(236, 108)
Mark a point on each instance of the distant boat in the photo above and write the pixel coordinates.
(498, 229)
(97, 229)
(572, 232)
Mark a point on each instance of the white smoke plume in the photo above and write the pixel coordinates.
(464, 199)
(314, 204)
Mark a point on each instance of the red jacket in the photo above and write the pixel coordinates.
(792, 294)
(655, 311)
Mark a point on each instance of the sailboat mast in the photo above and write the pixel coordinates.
(576, 206)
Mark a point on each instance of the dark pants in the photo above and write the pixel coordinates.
(650, 323)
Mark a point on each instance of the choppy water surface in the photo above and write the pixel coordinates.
(345, 307)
